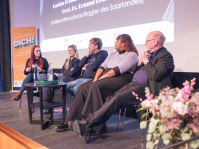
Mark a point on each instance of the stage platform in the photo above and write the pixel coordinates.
(18, 119)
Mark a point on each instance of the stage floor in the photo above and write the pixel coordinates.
(18, 119)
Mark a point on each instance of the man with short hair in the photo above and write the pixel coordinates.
(154, 70)
(89, 63)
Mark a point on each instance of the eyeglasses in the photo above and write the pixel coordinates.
(148, 41)
(37, 50)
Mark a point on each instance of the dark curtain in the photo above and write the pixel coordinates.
(5, 45)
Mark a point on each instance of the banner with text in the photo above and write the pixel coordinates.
(23, 39)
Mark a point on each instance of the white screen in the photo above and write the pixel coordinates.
(76, 21)
(59, 27)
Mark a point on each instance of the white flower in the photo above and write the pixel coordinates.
(155, 104)
(180, 108)
(179, 95)
(146, 103)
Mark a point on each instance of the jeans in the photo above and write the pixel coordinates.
(28, 79)
(73, 85)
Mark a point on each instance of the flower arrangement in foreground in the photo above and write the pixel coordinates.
(175, 115)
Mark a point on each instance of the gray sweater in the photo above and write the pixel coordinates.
(123, 62)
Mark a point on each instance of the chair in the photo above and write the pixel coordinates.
(118, 122)
(139, 116)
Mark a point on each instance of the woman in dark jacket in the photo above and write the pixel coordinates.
(70, 68)
(42, 63)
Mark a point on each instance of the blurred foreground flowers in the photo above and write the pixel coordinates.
(175, 115)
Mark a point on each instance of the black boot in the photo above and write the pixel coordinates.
(62, 127)
(83, 130)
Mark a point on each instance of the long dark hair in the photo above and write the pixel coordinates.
(129, 45)
(32, 58)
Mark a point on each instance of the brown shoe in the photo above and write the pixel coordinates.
(32, 110)
(17, 96)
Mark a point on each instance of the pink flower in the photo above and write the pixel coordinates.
(194, 124)
(175, 111)
(173, 124)
(166, 109)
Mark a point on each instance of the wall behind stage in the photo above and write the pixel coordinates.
(186, 32)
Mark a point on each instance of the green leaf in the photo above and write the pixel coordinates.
(145, 114)
(185, 136)
(195, 144)
(165, 136)
(148, 137)
(156, 142)
(141, 109)
(162, 129)
(156, 135)
(152, 125)
(186, 129)
(143, 124)
(149, 145)
(166, 141)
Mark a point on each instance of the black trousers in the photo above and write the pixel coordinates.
(100, 90)
(122, 98)
(91, 96)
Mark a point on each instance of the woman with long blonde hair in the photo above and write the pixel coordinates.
(70, 68)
